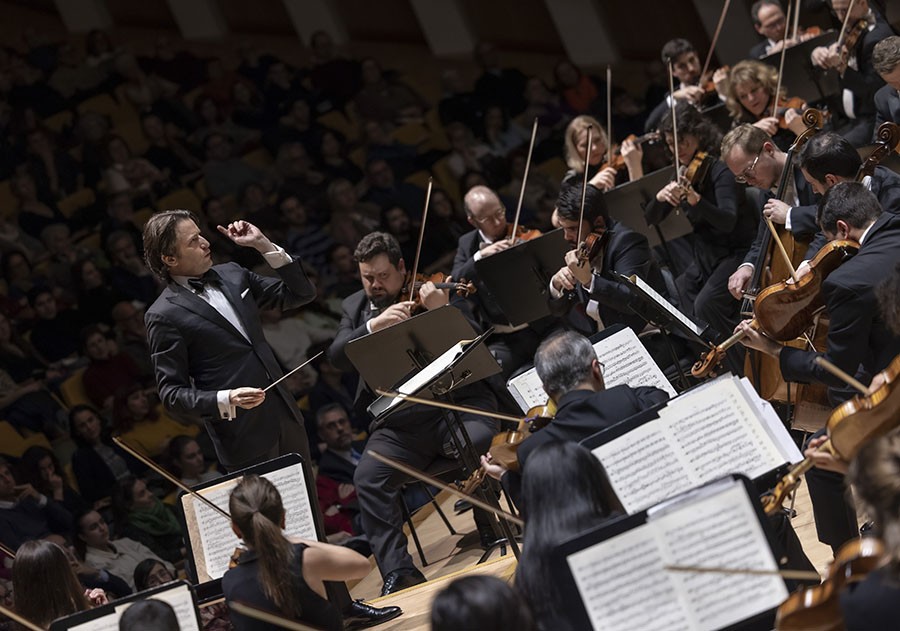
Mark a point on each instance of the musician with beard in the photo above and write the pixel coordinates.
(416, 435)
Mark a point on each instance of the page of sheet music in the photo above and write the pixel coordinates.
(527, 390)
(218, 542)
(620, 578)
(720, 530)
(771, 423)
(719, 432)
(624, 587)
(427, 374)
(643, 468)
(626, 361)
(179, 597)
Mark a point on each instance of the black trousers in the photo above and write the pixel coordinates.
(832, 506)
(419, 437)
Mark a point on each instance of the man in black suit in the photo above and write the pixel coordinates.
(591, 284)
(858, 79)
(886, 60)
(858, 341)
(416, 435)
(211, 358)
(573, 378)
(512, 346)
(769, 21)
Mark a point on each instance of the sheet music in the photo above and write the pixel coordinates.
(428, 374)
(625, 361)
(616, 577)
(178, 596)
(665, 304)
(218, 542)
(700, 435)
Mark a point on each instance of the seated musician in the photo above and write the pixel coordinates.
(769, 21)
(886, 60)
(753, 157)
(600, 174)
(686, 68)
(859, 81)
(512, 346)
(751, 92)
(858, 340)
(415, 435)
(572, 377)
(591, 284)
(724, 223)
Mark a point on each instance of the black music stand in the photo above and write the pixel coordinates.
(800, 77)
(518, 279)
(393, 359)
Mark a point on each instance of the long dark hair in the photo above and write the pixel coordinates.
(480, 602)
(553, 517)
(692, 122)
(257, 510)
(30, 471)
(123, 419)
(44, 584)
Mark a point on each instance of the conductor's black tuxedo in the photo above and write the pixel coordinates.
(583, 413)
(196, 352)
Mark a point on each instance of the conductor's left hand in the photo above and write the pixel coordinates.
(247, 235)
(246, 398)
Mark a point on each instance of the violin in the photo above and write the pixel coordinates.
(461, 287)
(522, 233)
(505, 445)
(697, 170)
(851, 36)
(850, 426)
(618, 160)
(818, 607)
(784, 104)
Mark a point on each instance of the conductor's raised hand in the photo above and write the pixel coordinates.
(397, 312)
(246, 398)
(247, 235)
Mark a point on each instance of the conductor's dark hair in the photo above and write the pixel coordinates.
(828, 152)
(149, 615)
(675, 48)
(376, 243)
(552, 517)
(888, 294)
(847, 201)
(480, 603)
(692, 122)
(563, 361)
(568, 204)
(160, 239)
(759, 4)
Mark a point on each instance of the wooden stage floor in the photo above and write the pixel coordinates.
(451, 556)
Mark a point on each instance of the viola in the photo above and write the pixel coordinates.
(818, 607)
(522, 233)
(505, 445)
(461, 287)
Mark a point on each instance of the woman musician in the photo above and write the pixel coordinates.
(600, 174)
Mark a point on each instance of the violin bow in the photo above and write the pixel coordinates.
(449, 406)
(840, 374)
(415, 269)
(12, 615)
(7, 551)
(781, 65)
(674, 121)
(796, 23)
(424, 477)
(609, 151)
(840, 39)
(515, 228)
(266, 616)
(797, 575)
(715, 39)
(584, 182)
(168, 476)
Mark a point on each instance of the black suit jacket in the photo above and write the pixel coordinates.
(871, 604)
(583, 413)
(887, 107)
(858, 340)
(337, 468)
(197, 352)
(759, 50)
(627, 252)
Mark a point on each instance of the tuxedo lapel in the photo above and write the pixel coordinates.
(187, 299)
(230, 289)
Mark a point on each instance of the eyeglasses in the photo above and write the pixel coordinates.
(495, 217)
(741, 178)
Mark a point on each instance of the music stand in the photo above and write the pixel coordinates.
(518, 279)
(803, 79)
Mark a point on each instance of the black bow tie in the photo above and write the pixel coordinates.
(199, 284)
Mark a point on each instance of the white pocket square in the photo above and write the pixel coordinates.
(244, 293)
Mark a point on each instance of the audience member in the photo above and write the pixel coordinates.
(55, 332)
(97, 462)
(40, 468)
(108, 370)
(26, 514)
(142, 517)
(93, 292)
(132, 335)
(145, 426)
(184, 458)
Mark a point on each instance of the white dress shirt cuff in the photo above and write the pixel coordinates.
(277, 258)
(369, 326)
(847, 102)
(787, 218)
(750, 265)
(477, 256)
(226, 411)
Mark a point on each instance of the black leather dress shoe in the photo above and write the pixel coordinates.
(401, 579)
(360, 615)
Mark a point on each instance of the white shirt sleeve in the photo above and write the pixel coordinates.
(277, 258)
(227, 411)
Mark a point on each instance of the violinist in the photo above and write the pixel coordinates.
(886, 59)
(751, 94)
(572, 376)
(591, 283)
(753, 157)
(874, 602)
(417, 435)
(601, 175)
(852, 60)
(511, 346)
(686, 66)
(858, 340)
(770, 22)
(724, 223)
